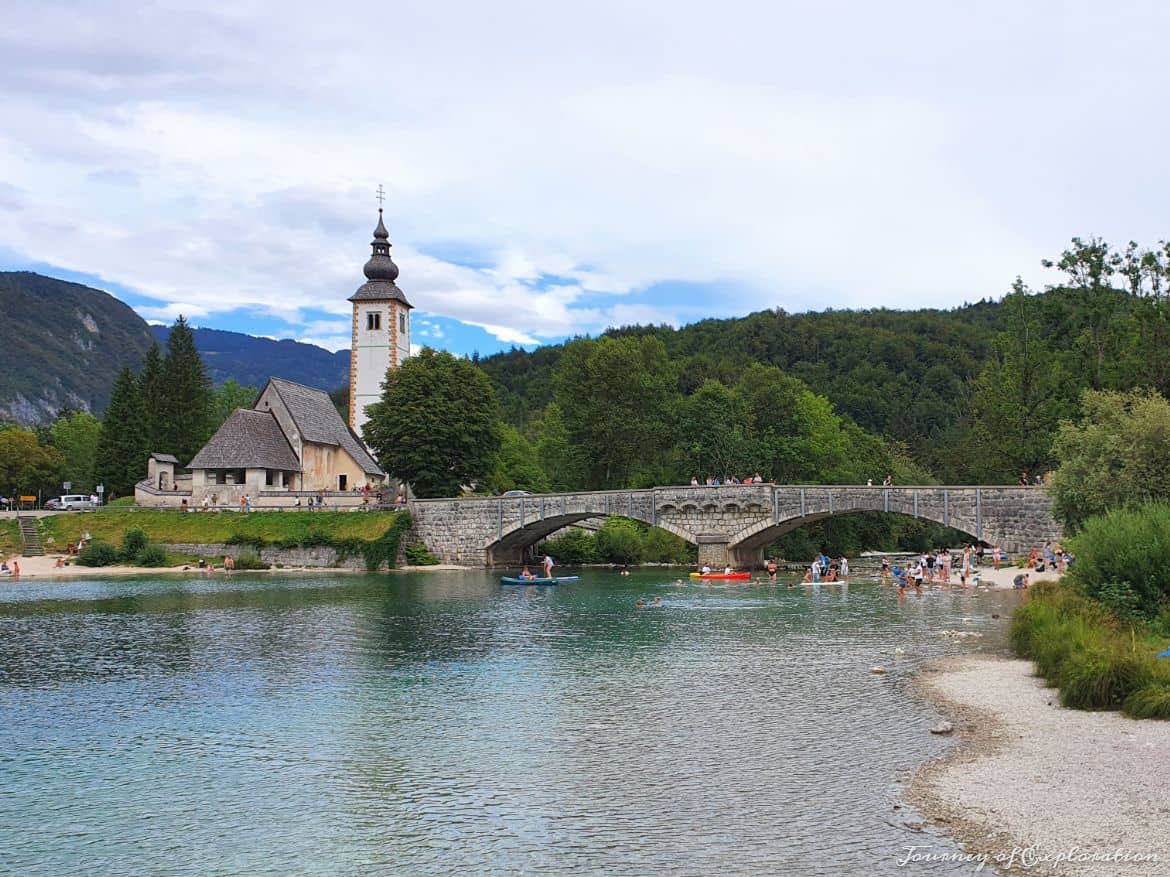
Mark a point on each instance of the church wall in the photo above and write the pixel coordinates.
(323, 463)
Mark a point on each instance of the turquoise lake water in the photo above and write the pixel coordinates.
(438, 723)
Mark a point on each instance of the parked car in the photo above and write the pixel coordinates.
(516, 493)
(53, 504)
(73, 502)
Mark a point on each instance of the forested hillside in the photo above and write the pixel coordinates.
(251, 361)
(971, 394)
(62, 344)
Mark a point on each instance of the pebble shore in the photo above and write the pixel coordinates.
(1032, 777)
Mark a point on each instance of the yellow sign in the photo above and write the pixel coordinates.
(28, 499)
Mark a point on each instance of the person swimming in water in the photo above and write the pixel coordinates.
(639, 603)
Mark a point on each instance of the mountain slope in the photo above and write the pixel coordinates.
(251, 361)
(61, 345)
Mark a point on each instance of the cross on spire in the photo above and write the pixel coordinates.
(381, 196)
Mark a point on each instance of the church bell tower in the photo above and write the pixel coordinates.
(381, 327)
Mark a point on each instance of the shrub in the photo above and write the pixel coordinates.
(98, 554)
(1130, 545)
(418, 555)
(152, 555)
(133, 543)
(1150, 702)
(619, 542)
(384, 550)
(1102, 679)
(573, 548)
(249, 559)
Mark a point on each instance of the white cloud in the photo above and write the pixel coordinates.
(786, 155)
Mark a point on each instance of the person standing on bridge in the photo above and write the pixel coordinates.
(548, 565)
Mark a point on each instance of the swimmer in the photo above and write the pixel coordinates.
(639, 603)
(657, 601)
(625, 571)
(772, 569)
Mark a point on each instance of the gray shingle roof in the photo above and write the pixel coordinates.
(164, 458)
(248, 440)
(380, 290)
(318, 421)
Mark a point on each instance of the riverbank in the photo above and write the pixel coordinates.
(1032, 776)
(46, 568)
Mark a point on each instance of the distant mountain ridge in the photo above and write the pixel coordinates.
(251, 360)
(62, 344)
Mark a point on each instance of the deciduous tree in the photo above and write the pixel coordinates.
(437, 425)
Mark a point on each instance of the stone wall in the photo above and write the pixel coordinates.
(730, 524)
(310, 555)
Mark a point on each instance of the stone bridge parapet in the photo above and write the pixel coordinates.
(730, 523)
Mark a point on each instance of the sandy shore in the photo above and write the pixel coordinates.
(46, 568)
(1032, 776)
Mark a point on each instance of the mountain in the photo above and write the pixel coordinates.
(61, 346)
(251, 361)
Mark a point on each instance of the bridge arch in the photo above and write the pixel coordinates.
(509, 546)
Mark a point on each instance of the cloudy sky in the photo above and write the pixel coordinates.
(552, 169)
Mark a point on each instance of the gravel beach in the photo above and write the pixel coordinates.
(1032, 776)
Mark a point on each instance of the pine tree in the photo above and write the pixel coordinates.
(184, 422)
(122, 451)
(150, 384)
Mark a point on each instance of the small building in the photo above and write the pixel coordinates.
(291, 442)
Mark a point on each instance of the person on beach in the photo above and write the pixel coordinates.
(1020, 581)
(229, 563)
(995, 552)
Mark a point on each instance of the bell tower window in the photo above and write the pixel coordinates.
(402, 323)
(373, 321)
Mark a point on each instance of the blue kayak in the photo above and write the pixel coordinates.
(555, 580)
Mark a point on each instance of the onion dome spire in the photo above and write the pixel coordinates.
(381, 266)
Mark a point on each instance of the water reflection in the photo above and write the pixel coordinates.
(440, 724)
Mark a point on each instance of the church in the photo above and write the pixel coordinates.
(292, 443)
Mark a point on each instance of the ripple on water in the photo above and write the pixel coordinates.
(438, 724)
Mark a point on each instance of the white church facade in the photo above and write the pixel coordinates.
(292, 443)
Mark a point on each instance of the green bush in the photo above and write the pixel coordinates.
(98, 554)
(573, 548)
(1102, 679)
(133, 543)
(152, 555)
(249, 559)
(619, 542)
(1150, 702)
(418, 555)
(1130, 545)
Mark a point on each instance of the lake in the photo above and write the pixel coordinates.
(438, 723)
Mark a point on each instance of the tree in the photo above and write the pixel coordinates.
(615, 395)
(184, 424)
(150, 384)
(437, 425)
(1020, 395)
(120, 458)
(517, 464)
(76, 436)
(229, 397)
(710, 433)
(27, 466)
(553, 449)
(1118, 455)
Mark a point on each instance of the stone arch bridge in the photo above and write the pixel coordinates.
(731, 524)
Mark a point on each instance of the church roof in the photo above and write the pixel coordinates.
(248, 440)
(380, 271)
(318, 421)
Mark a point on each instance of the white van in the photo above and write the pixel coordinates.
(74, 502)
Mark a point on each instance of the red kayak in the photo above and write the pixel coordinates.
(737, 576)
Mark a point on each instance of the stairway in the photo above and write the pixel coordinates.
(30, 536)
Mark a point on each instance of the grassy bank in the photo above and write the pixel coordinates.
(9, 537)
(374, 535)
(1097, 659)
